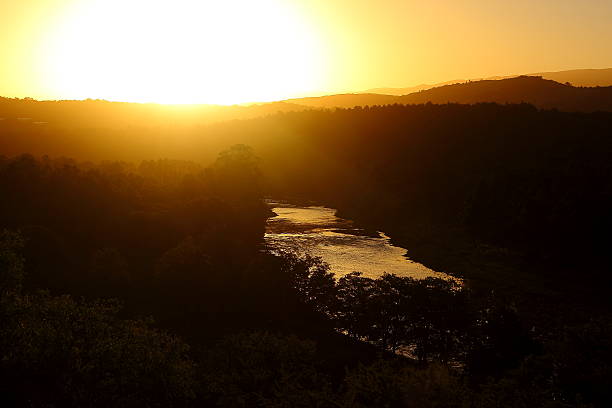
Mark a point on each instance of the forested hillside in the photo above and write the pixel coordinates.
(499, 195)
(101, 130)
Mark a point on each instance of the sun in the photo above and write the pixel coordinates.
(183, 51)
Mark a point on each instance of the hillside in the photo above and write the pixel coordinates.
(416, 88)
(344, 100)
(543, 93)
(514, 199)
(101, 113)
(581, 77)
(99, 130)
(576, 77)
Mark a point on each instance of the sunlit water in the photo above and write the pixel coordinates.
(338, 242)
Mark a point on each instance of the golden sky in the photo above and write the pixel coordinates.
(235, 51)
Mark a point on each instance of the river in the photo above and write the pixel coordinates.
(315, 230)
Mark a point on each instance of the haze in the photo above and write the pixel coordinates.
(243, 51)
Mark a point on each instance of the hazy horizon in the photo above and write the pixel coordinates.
(378, 90)
(235, 52)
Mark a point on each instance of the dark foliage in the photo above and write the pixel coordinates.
(182, 242)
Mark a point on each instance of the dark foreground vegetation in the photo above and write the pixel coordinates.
(145, 284)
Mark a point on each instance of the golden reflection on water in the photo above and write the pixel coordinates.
(318, 232)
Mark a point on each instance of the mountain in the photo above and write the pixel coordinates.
(576, 77)
(413, 89)
(543, 93)
(581, 77)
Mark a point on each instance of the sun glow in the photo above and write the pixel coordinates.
(184, 51)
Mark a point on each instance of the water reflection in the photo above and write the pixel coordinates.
(346, 248)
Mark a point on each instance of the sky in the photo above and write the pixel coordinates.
(237, 51)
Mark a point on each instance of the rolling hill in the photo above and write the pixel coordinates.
(535, 90)
(576, 77)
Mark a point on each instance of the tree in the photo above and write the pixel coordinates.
(265, 369)
(109, 273)
(56, 351)
(237, 174)
(392, 384)
(11, 262)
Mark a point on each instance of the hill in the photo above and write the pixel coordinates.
(413, 89)
(543, 93)
(344, 100)
(576, 77)
(119, 114)
(581, 77)
(540, 92)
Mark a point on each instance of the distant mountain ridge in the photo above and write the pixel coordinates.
(543, 93)
(535, 90)
(581, 77)
(576, 77)
(343, 100)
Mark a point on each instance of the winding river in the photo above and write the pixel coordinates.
(316, 231)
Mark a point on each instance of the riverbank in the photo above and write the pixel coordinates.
(546, 297)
